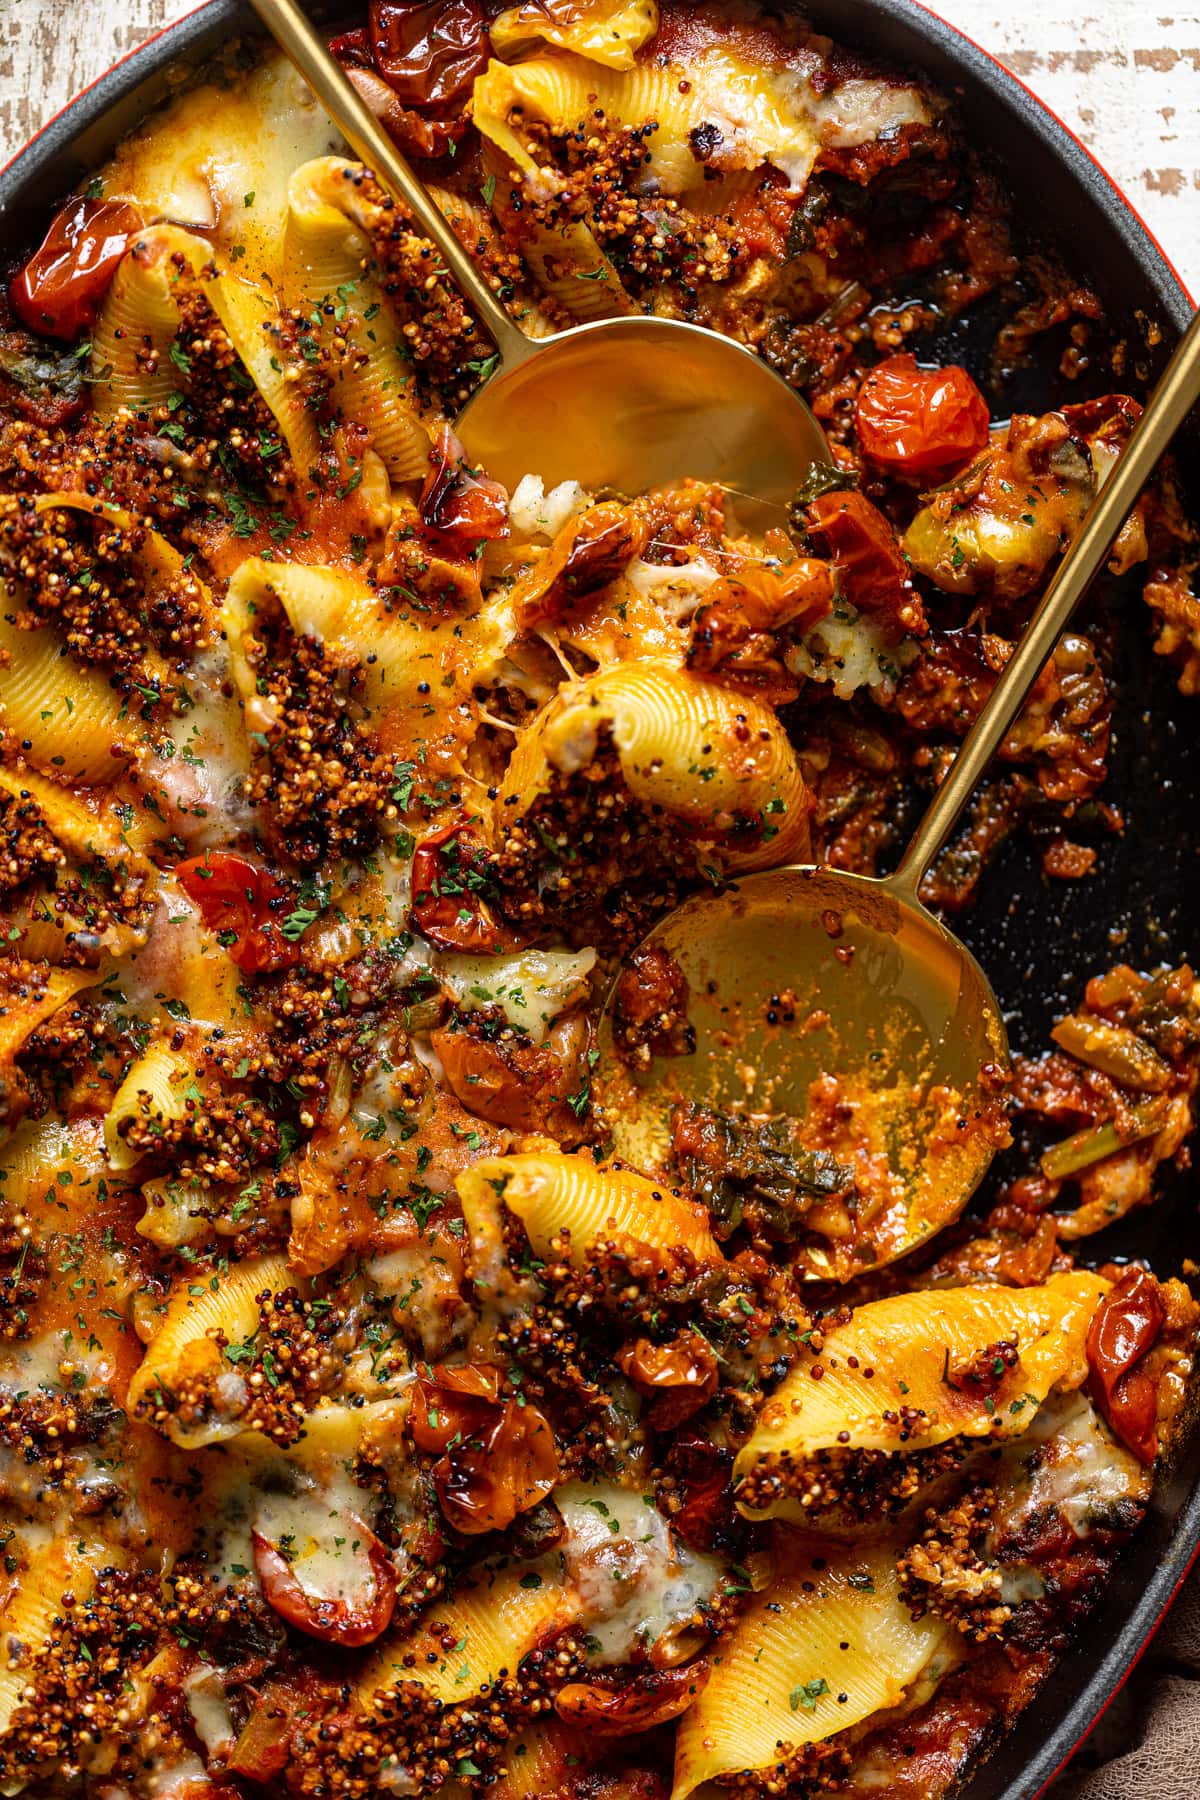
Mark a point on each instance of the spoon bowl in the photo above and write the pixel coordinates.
(629, 403)
(624, 403)
(802, 977)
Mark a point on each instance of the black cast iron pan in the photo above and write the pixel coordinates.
(1039, 942)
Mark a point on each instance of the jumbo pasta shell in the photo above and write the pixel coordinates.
(327, 264)
(185, 1344)
(555, 1194)
(717, 761)
(900, 1374)
(828, 1644)
(492, 1624)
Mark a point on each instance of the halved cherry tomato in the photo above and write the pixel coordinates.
(703, 1482)
(417, 133)
(334, 1621)
(1126, 1325)
(920, 421)
(60, 288)
(458, 503)
(450, 884)
(428, 53)
(610, 1707)
(678, 1377)
(244, 905)
(497, 1458)
(870, 565)
(507, 1083)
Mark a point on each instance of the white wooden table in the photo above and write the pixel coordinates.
(1124, 74)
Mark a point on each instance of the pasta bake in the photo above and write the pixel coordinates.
(369, 1427)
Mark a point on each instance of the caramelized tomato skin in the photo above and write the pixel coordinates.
(461, 505)
(920, 422)
(677, 1377)
(610, 1708)
(703, 1477)
(428, 53)
(352, 48)
(60, 288)
(1127, 1324)
(497, 1459)
(510, 1082)
(239, 899)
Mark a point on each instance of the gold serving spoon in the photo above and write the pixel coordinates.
(803, 973)
(625, 402)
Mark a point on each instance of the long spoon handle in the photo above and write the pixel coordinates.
(302, 45)
(1174, 397)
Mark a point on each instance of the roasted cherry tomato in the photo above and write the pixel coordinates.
(507, 1083)
(417, 133)
(244, 905)
(870, 565)
(920, 421)
(458, 503)
(450, 884)
(497, 1458)
(608, 1706)
(428, 54)
(334, 1621)
(703, 1483)
(1126, 1325)
(587, 554)
(677, 1377)
(60, 288)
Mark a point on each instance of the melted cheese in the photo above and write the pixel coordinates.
(220, 157)
(324, 1548)
(51, 1360)
(174, 1779)
(425, 1294)
(536, 513)
(305, 1498)
(762, 114)
(204, 1690)
(1068, 1462)
(638, 1583)
(849, 651)
(679, 589)
(859, 111)
(530, 989)
(181, 962)
(200, 768)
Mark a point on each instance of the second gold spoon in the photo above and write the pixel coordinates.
(872, 990)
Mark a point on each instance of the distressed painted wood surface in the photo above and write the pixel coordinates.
(1125, 74)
